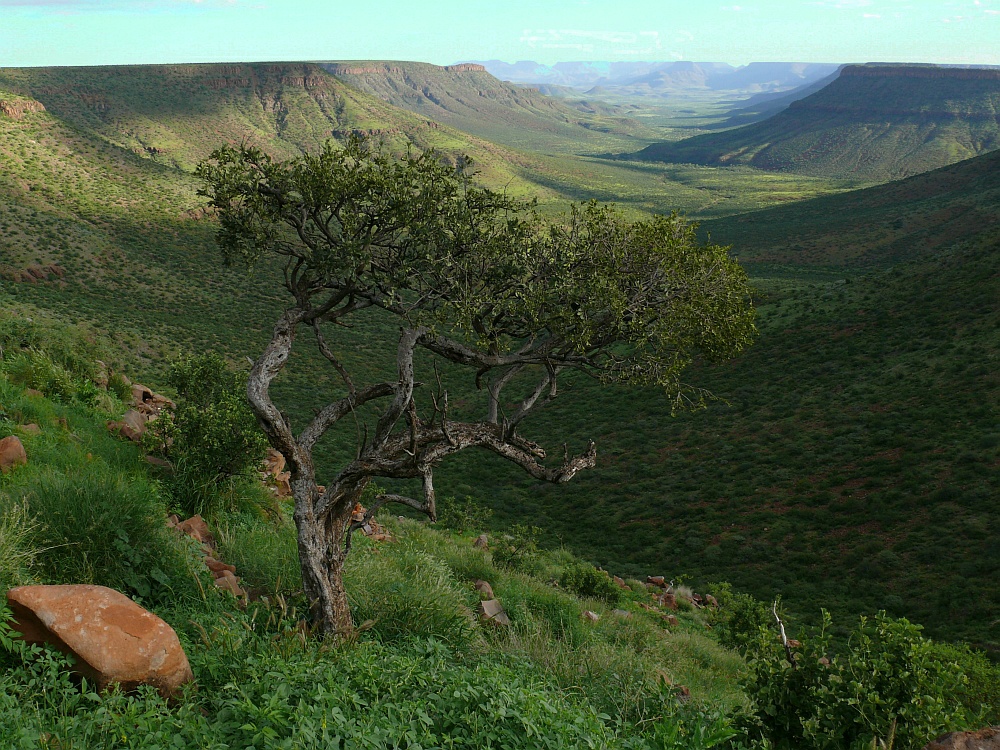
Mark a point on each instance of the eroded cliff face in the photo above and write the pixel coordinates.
(16, 109)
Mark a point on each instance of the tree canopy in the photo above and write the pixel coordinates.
(475, 278)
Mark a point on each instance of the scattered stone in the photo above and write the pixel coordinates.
(623, 613)
(196, 528)
(792, 643)
(709, 599)
(12, 453)
(984, 739)
(30, 429)
(110, 637)
(274, 462)
(591, 616)
(231, 583)
(481, 542)
(671, 620)
(492, 611)
(667, 600)
(657, 581)
(620, 583)
(484, 588)
(173, 519)
(101, 377)
(218, 568)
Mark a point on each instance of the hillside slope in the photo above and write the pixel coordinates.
(468, 98)
(874, 122)
(887, 223)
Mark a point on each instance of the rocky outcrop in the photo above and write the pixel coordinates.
(147, 406)
(111, 638)
(465, 68)
(16, 109)
(12, 453)
(921, 71)
(491, 611)
(984, 739)
(34, 274)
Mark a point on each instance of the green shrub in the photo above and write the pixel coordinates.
(739, 619)
(34, 369)
(517, 549)
(981, 693)
(586, 580)
(212, 436)
(888, 690)
(463, 515)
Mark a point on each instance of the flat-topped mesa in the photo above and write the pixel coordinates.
(466, 68)
(16, 109)
(888, 70)
(362, 69)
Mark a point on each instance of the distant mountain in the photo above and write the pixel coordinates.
(658, 79)
(874, 122)
(767, 104)
(469, 98)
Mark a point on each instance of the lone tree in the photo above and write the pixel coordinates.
(476, 280)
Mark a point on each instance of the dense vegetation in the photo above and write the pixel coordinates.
(424, 672)
(853, 466)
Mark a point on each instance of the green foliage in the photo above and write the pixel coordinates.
(740, 618)
(980, 695)
(102, 527)
(517, 549)
(586, 580)
(212, 436)
(889, 689)
(462, 514)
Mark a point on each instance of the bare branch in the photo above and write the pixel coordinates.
(325, 351)
(335, 411)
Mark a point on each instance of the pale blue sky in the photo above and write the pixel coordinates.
(90, 32)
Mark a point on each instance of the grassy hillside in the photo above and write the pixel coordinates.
(886, 224)
(470, 99)
(583, 662)
(138, 258)
(874, 122)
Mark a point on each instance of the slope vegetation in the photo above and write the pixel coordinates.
(874, 122)
(468, 98)
(887, 223)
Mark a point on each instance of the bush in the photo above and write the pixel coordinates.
(463, 515)
(517, 549)
(739, 620)
(586, 580)
(212, 436)
(888, 690)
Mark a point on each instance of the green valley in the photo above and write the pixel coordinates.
(849, 462)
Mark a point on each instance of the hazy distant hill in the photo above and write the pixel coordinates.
(887, 223)
(659, 79)
(877, 122)
(767, 104)
(469, 98)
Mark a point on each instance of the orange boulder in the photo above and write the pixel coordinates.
(110, 637)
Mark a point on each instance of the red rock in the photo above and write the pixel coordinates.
(481, 542)
(484, 589)
(671, 620)
(984, 739)
(219, 567)
(709, 599)
(196, 528)
(110, 637)
(657, 581)
(620, 583)
(284, 486)
(12, 453)
(228, 582)
(274, 462)
(591, 616)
